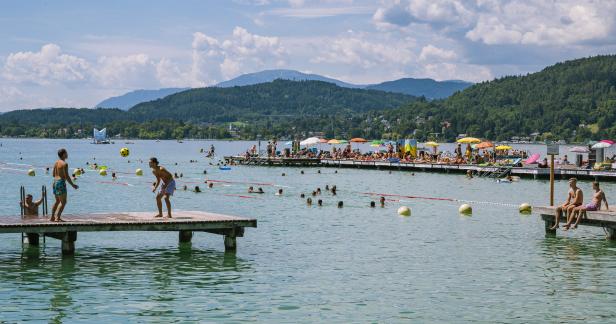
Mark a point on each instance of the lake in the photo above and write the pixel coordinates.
(302, 264)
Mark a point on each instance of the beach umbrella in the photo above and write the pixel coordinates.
(310, 141)
(376, 142)
(503, 147)
(322, 140)
(343, 142)
(601, 145)
(333, 141)
(431, 143)
(484, 145)
(579, 149)
(468, 140)
(358, 140)
(607, 141)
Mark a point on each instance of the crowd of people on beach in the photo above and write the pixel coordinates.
(390, 152)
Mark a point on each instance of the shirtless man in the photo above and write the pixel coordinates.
(597, 199)
(166, 189)
(30, 207)
(575, 197)
(60, 177)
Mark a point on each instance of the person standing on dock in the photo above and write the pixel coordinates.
(167, 188)
(60, 177)
(575, 197)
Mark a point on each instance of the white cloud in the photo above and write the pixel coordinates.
(49, 65)
(216, 60)
(455, 71)
(433, 53)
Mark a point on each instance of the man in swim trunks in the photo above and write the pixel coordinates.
(60, 177)
(166, 189)
(597, 199)
(575, 197)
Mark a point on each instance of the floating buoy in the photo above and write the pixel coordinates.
(102, 167)
(139, 172)
(526, 208)
(103, 172)
(31, 172)
(77, 172)
(124, 152)
(404, 211)
(465, 209)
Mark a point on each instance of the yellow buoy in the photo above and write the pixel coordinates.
(102, 167)
(404, 211)
(31, 172)
(103, 172)
(139, 172)
(77, 172)
(465, 209)
(526, 208)
(124, 152)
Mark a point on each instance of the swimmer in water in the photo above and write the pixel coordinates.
(340, 204)
(279, 193)
(469, 174)
(210, 185)
(320, 202)
(197, 189)
(260, 190)
(382, 201)
(372, 204)
(113, 176)
(30, 207)
(251, 189)
(309, 201)
(318, 191)
(302, 196)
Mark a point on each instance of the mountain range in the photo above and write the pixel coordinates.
(428, 88)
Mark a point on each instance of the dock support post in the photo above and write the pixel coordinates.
(230, 243)
(31, 239)
(68, 243)
(186, 236)
(611, 233)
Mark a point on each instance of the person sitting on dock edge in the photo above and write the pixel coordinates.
(597, 199)
(30, 207)
(575, 197)
(60, 177)
(166, 189)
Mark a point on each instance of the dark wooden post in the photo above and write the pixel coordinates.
(185, 236)
(68, 243)
(611, 233)
(31, 239)
(230, 243)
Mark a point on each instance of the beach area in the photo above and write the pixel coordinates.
(303, 263)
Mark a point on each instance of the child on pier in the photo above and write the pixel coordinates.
(167, 188)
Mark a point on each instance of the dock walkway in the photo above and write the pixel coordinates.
(184, 222)
(525, 172)
(602, 218)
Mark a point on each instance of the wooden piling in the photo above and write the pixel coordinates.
(185, 236)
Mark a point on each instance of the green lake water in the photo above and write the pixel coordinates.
(302, 264)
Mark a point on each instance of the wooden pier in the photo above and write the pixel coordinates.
(602, 218)
(523, 172)
(184, 222)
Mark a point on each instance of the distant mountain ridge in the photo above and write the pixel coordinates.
(428, 88)
(130, 99)
(271, 75)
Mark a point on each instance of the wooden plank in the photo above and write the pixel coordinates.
(602, 218)
(126, 221)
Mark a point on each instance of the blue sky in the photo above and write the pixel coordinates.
(76, 53)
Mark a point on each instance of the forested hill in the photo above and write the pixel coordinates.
(571, 100)
(278, 98)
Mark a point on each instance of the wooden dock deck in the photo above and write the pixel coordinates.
(602, 218)
(524, 172)
(184, 222)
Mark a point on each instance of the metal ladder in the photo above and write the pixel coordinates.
(22, 194)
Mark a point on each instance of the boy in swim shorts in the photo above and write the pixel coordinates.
(60, 177)
(166, 189)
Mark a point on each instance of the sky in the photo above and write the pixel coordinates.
(77, 53)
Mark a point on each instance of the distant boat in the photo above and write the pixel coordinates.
(100, 136)
(129, 142)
